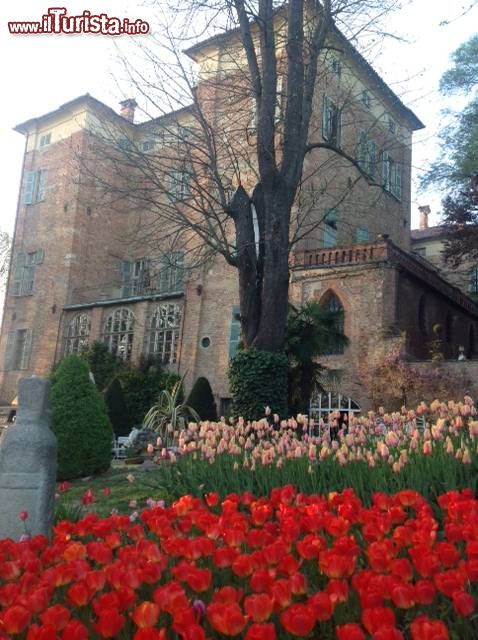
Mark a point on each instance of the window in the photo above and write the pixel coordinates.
(235, 331)
(135, 277)
(392, 125)
(334, 306)
(77, 334)
(148, 145)
(366, 99)
(391, 175)
(163, 336)
(362, 234)
(24, 272)
(336, 67)
(473, 281)
(171, 273)
(420, 251)
(19, 346)
(331, 122)
(330, 228)
(367, 154)
(45, 140)
(178, 188)
(118, 333)
(125, 144)
(34, 190)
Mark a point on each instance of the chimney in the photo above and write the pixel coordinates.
(127, 109)
(424, 213)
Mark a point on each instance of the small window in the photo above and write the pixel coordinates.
(24, 272)
(391, 175)
(420, 251)
(330, 227)
(45, 140)
(363, 234)
(205, 342)
(335, 344)
(336, 67)
(125, 144)
(366, 99)
(178, 188)
(34, 188)
(118, 333)
(331, 122)
(18, 352)
(235, 331)
(473, 281)
(367, 154)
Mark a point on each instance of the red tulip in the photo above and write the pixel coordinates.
(55, 617)
(261, 632)
(79, 594)
(376, 617)
(146, 615)
(226, 618)
(463, 603)
(15, 620)
(388, 633)
(75, 630)
(423, 628)
(321, 604)
(259, 607)
(109, 624)
(350, 631)
(298, 619)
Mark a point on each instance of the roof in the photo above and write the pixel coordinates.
(429, 233)
(367, 68)
(24, 127)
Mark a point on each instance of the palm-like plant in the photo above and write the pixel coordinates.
(169, 413)
(312, 331)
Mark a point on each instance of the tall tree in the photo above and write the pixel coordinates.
(456, 169)
(222, 172)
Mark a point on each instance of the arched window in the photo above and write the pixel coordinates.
(118, 333)
(332, 303)
(422, 319)
(77, 334)
(163, 334)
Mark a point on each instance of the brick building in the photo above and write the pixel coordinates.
(81, 272)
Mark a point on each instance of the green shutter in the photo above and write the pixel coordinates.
(29, 187)
(235, 332)
(386, 171)
(398, 181)
(177, 271)
(27, 349)
(164, 274)
(20, 260)
(372, 158)
(325, 118)
(39, 256)
(125, 278)
(40, 187)
(10, 350)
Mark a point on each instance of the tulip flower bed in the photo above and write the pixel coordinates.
(375, 452)
(290, 565)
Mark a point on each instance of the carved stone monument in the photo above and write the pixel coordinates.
(28, 459)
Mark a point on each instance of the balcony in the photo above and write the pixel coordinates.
(340, 256)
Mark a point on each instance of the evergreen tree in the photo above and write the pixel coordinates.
(117, 410)
(201, 399)
(102, 363)
(79, 421)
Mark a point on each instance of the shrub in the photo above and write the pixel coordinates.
(201, 400)
(103, 365)
(79, 421)
(116, 407)
(258, 379)
(141, 388)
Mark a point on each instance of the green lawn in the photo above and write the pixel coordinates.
(145, 485)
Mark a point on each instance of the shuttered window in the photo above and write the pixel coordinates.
(19, 346)
(35, 186)
(235, 332)
(331, 122)
(24, 272)
(171, 272)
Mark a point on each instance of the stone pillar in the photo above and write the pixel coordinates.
(28, 460)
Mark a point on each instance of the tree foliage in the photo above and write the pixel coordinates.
(79, 421)
(117, 410)
(103, 365)
(201, 399)
(312, 331)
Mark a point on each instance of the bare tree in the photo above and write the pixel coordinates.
(223, 170)
(5, 253)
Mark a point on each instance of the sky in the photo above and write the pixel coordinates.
(38, 73)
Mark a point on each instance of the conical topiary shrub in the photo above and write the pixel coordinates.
(116, 408)
(79, 421)
(201, 399)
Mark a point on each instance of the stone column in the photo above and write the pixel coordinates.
(28, 460)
